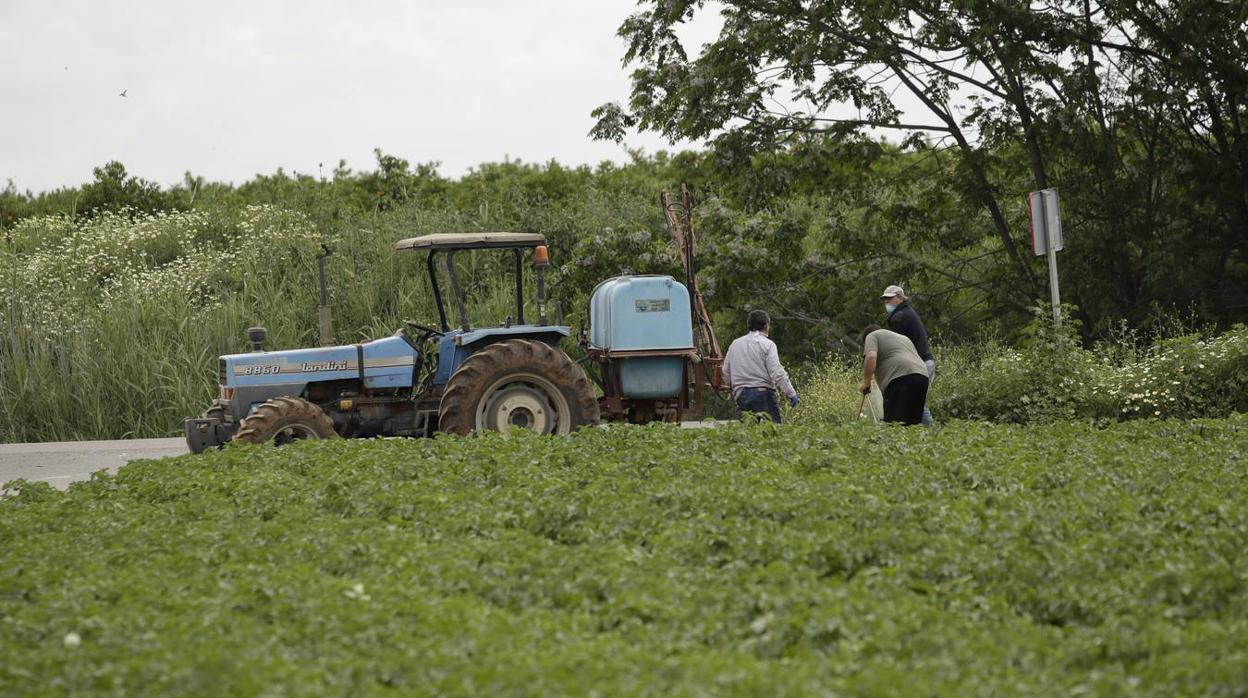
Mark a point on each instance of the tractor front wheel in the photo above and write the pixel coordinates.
(518, 383)
(284, 420)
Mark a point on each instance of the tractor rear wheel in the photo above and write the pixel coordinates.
(284, 420)
(518, 383)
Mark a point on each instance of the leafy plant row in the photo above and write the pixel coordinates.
(974, 559)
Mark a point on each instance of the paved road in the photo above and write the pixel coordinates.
(63, 462)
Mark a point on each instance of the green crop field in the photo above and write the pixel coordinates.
(973, 559)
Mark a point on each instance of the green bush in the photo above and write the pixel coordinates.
(1187, 376)
(1050, 378)
(1053, 378)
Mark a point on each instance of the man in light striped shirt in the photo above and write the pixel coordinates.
(752, 369)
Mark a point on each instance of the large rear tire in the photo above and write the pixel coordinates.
(284, 420)
(521, 383)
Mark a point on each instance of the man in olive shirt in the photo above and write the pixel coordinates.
(891, 359)
(903, 319)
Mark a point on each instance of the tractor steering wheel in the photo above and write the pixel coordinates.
(425, 332)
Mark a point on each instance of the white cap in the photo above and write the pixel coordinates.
(891, 291)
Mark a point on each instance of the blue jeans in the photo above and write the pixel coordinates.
(759, 400)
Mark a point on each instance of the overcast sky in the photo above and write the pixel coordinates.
(233, 88)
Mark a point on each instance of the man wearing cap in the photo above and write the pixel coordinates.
(891, 360)
(903, 319)
(752, 369)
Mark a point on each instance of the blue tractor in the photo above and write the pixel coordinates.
(416, 382)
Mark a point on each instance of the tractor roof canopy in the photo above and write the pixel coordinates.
(470, 241)
(452, 243)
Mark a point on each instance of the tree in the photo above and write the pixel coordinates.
(1017, 92)
(115, 190)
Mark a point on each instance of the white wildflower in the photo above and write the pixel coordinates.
(357, 592)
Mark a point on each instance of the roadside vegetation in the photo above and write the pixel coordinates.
(111, 319)
(116, 294)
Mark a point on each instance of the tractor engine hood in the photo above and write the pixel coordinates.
(382, 363)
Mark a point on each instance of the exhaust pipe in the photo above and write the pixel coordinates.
(323, 315)
(256, 335)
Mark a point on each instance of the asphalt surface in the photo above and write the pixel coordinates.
(62, 462)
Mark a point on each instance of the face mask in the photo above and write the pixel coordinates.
(889, 308)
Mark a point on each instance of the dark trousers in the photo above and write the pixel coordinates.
(759, 400)
(904, 399)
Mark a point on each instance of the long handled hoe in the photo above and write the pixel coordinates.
(864, 402)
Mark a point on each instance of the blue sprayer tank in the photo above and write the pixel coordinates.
(643, 313)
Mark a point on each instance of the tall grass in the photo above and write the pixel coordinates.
(110, 327)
